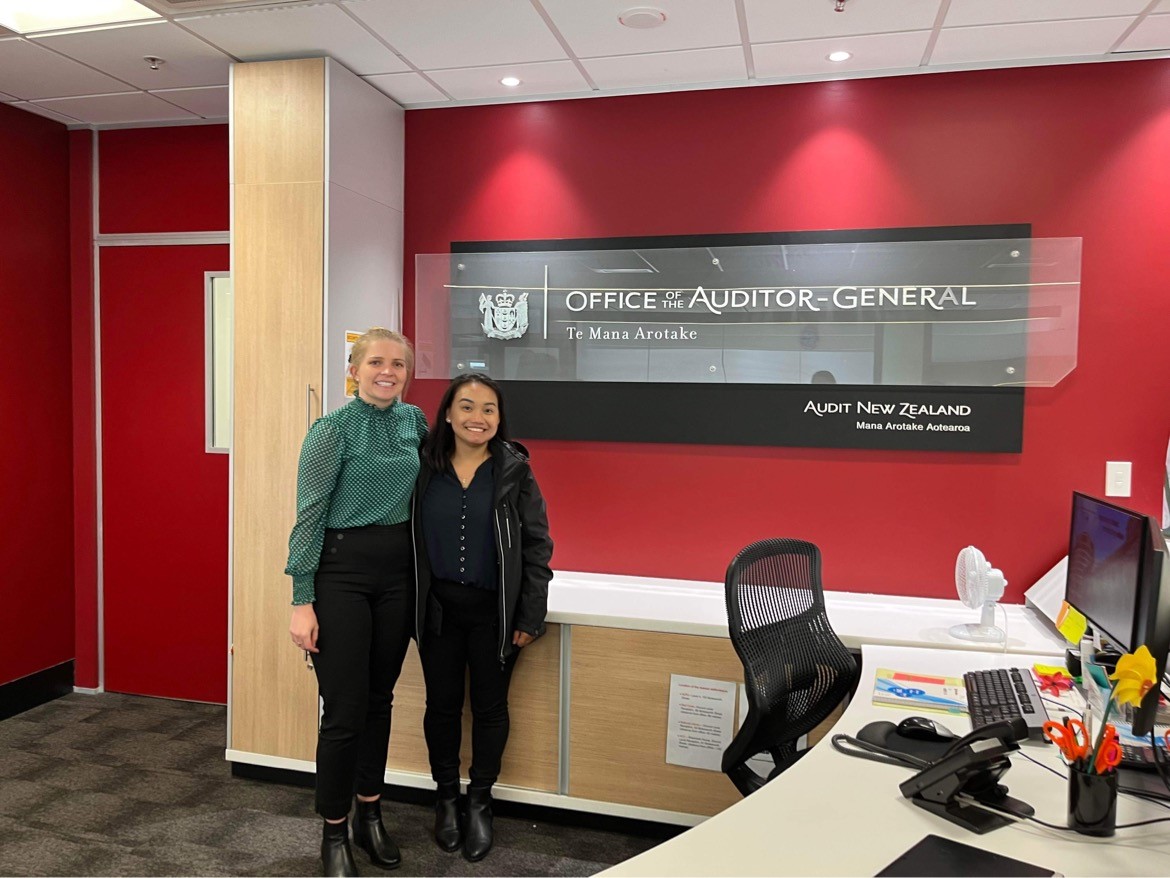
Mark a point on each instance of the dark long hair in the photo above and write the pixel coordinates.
(440, 444)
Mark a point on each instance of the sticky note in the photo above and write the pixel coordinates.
(1071, 623)
(1049, 670)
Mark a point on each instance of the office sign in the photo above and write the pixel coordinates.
(863, 339)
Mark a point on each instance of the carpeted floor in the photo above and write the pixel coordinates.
(122, 785)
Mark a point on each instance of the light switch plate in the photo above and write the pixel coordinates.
(1118, 474)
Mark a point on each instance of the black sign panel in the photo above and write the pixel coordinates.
(820, 416)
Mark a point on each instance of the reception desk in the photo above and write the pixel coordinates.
(832, 814)
(589, 700)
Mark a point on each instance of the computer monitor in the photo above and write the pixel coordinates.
(1153, 618)
(1105, 550)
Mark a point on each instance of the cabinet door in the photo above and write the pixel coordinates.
(278, 239)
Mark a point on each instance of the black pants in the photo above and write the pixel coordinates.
(465, 639)
(365, 610)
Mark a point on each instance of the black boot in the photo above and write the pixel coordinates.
(371, 836)
(447, 834)
(336, 857)
(478, 838)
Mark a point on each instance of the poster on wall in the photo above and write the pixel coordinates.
(350, 385)
(917, 339)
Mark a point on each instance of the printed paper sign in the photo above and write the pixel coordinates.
(700, 721)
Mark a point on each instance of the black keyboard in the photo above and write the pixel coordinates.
(1005, 694)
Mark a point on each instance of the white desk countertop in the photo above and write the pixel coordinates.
(682, 606)
(832, 814)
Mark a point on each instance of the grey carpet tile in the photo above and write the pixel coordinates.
(121, 785)
(20, 797)
(68, 774)
(166, 787)
(78, 736)
(20, 763)
(61, 714)
(19, 732)
(286, 801)
(85, 812)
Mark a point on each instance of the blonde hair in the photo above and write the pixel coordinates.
(379, 333)
(357, 353)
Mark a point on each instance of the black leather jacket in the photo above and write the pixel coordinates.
(523, 547)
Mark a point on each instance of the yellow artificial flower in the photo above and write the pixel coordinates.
(1134, 677)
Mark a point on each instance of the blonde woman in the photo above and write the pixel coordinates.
(351, 561)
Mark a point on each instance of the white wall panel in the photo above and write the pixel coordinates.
(366, 138)
(364, 201)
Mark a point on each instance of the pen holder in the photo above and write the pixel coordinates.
(1092, 802)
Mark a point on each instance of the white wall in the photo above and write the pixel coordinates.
(365, 150)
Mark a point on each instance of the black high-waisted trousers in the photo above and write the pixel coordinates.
(365, 611)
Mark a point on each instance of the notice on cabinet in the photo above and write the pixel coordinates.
(351, 336)
(699, 722)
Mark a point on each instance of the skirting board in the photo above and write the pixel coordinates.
(36, 689)
(499, 791)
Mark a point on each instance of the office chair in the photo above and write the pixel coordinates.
(795, 668)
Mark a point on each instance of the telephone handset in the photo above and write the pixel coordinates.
(972, 766)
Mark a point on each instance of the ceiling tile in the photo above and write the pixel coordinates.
(32, 71)
(120, 50)
(454, 33)
(47, 113)
(1041, 39)
(5, 98)
(406, 88)
(545, 78)
(964, 12)
(592, 29)
(870, 52)
(297, 32)
(771, 21)
(111, 109)
(210, 103)
(668, 68)
(1151, 35)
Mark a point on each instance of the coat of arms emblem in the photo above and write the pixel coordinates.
(505, 316)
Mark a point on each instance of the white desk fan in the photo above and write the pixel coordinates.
(979, 585)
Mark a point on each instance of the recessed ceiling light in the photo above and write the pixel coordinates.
(642, 17)
(839, 56)
(27, 16)
(510, 81)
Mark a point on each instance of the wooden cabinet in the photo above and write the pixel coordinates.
(278, 228)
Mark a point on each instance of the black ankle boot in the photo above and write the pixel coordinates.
(336, 857)
(478, 838)
(447, 834)
(371, 836)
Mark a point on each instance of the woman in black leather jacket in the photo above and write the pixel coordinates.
(482, 552)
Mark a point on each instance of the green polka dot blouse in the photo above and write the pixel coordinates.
(357, 467)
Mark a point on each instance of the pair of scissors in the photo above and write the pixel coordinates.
(1109, 755)
(1070, 736)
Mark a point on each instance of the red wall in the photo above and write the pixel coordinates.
(36, 588)
(164, 179)
(1075, 151)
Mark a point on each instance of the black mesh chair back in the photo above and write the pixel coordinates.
(796, 670)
